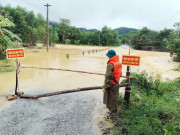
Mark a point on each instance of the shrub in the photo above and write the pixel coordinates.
(154, 107)
(67, 41)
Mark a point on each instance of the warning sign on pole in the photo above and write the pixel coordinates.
(15, 53)
(130, 60)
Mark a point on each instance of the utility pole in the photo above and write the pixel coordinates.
(47, 26)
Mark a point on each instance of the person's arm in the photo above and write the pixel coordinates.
(108, 77)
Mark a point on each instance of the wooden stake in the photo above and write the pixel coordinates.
(17, 70)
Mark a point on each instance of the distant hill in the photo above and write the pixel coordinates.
(124, 30)
(90, 30)
(51, 23)
(82, 29)
(121, 30)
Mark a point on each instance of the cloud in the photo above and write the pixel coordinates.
(155, 14)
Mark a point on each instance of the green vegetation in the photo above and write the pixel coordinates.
(6, 36)
(39, 47)
(164, 40)
(72, 35)
(6, 69)
(6, 66)
(178, 68)
(154, 109)
(32, 30)
(123, 30)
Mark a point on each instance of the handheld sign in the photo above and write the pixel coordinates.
(15, 53)
(130, 60)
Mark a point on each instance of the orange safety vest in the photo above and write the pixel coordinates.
(117, 68)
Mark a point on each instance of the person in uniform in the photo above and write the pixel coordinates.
(111, 83)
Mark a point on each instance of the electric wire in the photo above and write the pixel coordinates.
(28, 3)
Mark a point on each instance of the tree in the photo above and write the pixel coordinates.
(6, 36)
(64, 27)
(84, 37)
(40, 24)
(144, 39)
(53, 34)
(163, 39)
(177, 29)
(94, 38)
(124, 40)
(175, 50)
(104, 35)
(17, 16)
(73, 35)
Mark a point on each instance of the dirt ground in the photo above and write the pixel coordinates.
(76, 113)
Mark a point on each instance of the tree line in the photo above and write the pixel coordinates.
(164, 40)
(31, 29)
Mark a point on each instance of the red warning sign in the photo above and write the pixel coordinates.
(15, 53)
(130, 60)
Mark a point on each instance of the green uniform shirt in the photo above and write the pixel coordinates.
(108, 77)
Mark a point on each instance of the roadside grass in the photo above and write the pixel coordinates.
(154, 108)
(6, 66)
(178, 68)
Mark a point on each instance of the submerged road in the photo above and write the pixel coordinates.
(70, 114)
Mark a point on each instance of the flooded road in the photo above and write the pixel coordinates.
(70, 109)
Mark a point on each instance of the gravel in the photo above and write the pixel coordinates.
(69, 114)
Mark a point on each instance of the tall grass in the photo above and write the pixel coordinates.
(154, 109)
(6, 66)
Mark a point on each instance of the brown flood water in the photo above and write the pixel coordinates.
(35, 81)
(40, 81)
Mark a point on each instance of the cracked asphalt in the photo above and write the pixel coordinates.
(68, 114)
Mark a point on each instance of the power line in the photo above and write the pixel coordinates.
(29, 4)
(33, 5)
(53, 12)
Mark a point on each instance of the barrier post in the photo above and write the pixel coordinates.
(17, 72)
(128, 87)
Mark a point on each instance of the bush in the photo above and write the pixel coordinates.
(2, 55)
(67, 41)
(154, 108)
(77, 42)
(175, 50)
(39, 47)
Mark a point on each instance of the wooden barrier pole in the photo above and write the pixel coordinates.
(73, 71)
(64, 92)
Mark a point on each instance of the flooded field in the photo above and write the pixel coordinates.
(43, 80)
(36, 81)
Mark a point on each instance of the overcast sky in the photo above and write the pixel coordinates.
(154, 14)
